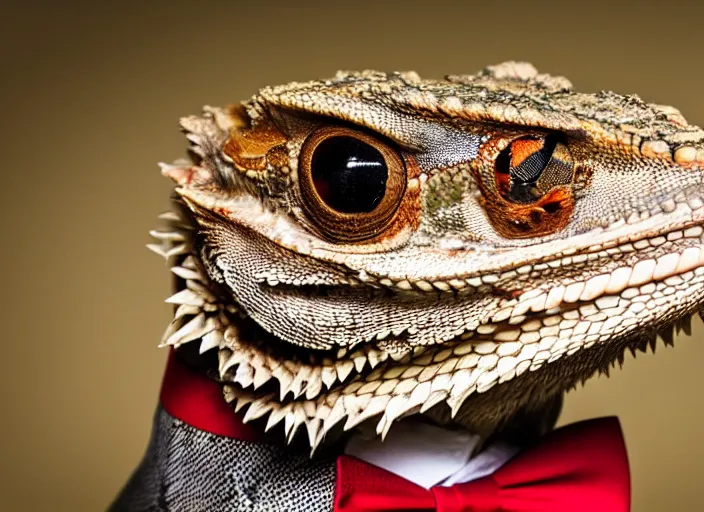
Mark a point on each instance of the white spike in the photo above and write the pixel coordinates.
(169, 236)
(312, 427)
(262, 375)
(359, 362)
(337, 414)
(463, 383)
(294, 420)
(210, 341)
(244, 374)
(455, 401)
(177, 249)
(276, 416)
(169, 216)
(322, 409)
(317, 441)
(395, 408)
(329, 376)
(242, 401)
(187, 273)
(194, 329)
(174, 326)
(257, 409)
(489, 379)
(441, 383)
(285, 379)
(227, 362)
(315, 384)
(300, 381)
(419, 394)
(435, 398)
(159, 249)
(186, 296)
(189, 262)
(376, 406)
(199, 289)
(186, 309)
(375, 358)
(289, 420)
(343, 369)
(382, 428)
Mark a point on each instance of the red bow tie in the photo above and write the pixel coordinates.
(579, 468)
(582, 467)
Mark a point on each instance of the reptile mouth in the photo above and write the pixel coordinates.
(327, 389)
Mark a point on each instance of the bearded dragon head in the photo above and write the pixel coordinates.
(376, 245)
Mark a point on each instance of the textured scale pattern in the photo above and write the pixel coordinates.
(465, 307)
(188, 470)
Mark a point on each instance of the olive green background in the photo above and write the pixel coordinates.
(90, 99)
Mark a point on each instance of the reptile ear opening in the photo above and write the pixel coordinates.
(352, 183)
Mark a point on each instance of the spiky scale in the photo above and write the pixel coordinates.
(242, 401)
(186, 296)
(435, 398)
(395, 408)
(423, 331)
(276, 416)
(686, 322)
(210, 341)
(257, 409)
(337, 414)
(344, 368)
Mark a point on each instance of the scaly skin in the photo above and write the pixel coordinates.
(463, 303)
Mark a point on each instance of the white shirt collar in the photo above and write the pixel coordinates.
(429, 455)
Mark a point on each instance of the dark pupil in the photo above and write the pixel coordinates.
(349, 175)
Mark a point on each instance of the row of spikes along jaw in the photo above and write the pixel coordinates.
(539, 347)
(331, 393)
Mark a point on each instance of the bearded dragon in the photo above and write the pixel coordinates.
(354, 251)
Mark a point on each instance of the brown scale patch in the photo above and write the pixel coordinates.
(278, 157)
(248, 148)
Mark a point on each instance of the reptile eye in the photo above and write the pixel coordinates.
(351, 183)
(530, 167)
(348, 174)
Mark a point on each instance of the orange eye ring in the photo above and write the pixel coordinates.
(350, 197)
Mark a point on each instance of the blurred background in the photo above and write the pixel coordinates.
(91, 94)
